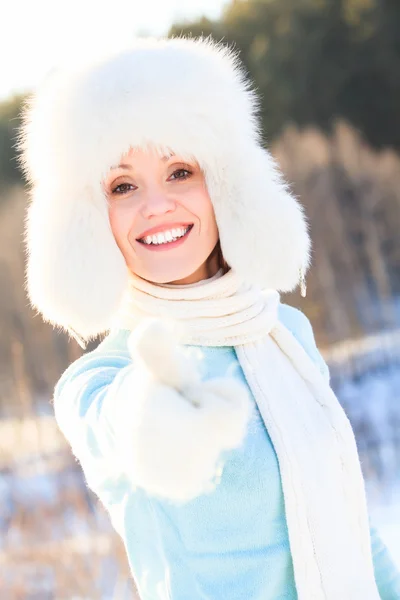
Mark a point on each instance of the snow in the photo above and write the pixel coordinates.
(365, 376)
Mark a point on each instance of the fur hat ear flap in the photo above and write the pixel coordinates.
(263, 230)
(76, 274)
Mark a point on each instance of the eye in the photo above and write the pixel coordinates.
(121, 185)
(182, 171)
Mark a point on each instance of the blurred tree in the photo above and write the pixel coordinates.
(316, 60)
(371, 98)
(9, 122)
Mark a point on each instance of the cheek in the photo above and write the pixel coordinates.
(202, 206)
(207, 214)
(118, 222)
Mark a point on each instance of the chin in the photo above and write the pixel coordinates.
(167, 275)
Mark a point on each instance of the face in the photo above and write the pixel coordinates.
(162, 217)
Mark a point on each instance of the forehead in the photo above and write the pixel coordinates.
(162, 154)
(128, 166)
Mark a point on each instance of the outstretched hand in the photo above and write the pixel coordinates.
(178, 425)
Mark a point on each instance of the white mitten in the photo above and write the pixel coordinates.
(178, 425)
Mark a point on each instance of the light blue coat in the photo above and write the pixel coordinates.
(230, 544)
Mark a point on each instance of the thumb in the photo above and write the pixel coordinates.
(155, 343)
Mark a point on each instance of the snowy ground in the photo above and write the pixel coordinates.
(366, 379)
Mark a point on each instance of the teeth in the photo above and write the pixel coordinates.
(166, 236)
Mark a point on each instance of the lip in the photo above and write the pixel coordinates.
(169, 246)
(160, 228)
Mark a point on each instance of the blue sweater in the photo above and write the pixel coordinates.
(232, 543)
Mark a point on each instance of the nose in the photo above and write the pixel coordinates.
(157, 203)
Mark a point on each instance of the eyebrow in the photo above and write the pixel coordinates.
(163, 158)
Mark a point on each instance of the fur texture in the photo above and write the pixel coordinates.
(189, 96)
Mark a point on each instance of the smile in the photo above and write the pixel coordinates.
(166, 239)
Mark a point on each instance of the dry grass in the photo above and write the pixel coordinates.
(56, 541)
(352, 198)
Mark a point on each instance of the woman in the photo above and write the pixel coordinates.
(204, 421)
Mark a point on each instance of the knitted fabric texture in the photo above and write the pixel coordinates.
(323, 485)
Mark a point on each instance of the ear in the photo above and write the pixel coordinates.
(76, 274)
(263, 230)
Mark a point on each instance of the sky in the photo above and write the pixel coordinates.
(37, 34)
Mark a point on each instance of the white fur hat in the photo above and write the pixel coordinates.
(191, 96)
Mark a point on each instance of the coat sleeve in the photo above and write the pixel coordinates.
(138, 419)
(387, 575)
(86, 407)
(83, 402)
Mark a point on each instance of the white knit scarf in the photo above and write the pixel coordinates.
(323, 485)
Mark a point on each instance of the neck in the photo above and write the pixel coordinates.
(220, 311)
(205, 271)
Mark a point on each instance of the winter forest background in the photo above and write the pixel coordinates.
(329, 75)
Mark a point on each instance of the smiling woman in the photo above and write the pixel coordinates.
(204, 420)
(162, 218)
